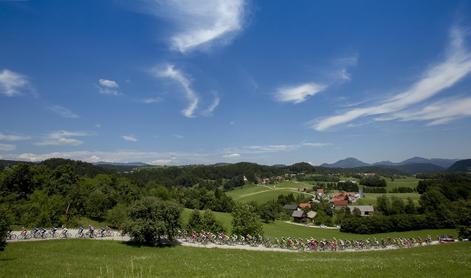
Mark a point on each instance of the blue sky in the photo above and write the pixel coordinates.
(178, 82)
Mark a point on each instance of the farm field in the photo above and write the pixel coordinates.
(261, 194)
(283, 229)
(370, 198)
(91, 258)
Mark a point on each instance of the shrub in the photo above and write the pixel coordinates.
(402, 190)
(245, 221)
(117, 216)
(4, 229)
(151, 220)
(464, 232)
(206, 222)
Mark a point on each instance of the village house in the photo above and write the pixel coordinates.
(364, 210)
(299, 216)
(343, 199)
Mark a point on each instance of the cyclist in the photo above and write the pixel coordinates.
(64, 232)
(24, 232)
(53, 232)
(80, 231)
(91, 230)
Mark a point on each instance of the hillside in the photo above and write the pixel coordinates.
(461, 166)
(349, 162)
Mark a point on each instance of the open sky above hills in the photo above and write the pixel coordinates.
(177, 82)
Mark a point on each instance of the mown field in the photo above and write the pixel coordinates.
(92, 258)
(262, 194)
(282, 229)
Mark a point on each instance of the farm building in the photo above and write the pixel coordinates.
(364, 210)
(299, 216)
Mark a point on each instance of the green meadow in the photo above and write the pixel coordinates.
(93, 258)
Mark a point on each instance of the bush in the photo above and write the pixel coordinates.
(373, 181)
(393, 223)
(464, 232)
(245, 221)
(151, 220)
(4, 229)
(401, 190)
(117, 216)
(206, 222)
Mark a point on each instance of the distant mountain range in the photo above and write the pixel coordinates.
(461, 166)
(130, 164)
(411, 165)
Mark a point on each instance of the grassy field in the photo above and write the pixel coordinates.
(370, 198)
(261, 194)
(411, 182)
(92, 258)
(282, 229)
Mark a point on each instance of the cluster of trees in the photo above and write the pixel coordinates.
(373, 181)
(369, 189)
(444, 203)
(348, 186)
(58, 191)
(204, 222)
(228, 175)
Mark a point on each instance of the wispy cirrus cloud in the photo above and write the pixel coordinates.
(63, 112)
(436, 113)
(108, 87)
(258, 149)
(214, 104)
(13, 83)
(199, 23)
(298, 93)
(129, 138)
(62, 138)
(169, 71)
(441, 76)
(13, 137)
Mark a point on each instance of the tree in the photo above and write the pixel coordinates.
(383, 205)
(117, 216)
(245, 221)
(209, 223)
(397, 205)
(151, 220)
(194, 223)
(410, 207)
(4, 229)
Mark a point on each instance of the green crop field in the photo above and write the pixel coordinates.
(411, 182)
(283, 229)
(93, 258)
(261, 194)
(370, 198)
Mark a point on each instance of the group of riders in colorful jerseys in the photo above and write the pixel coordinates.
(64, 233)
(301, 244)
(290, 243)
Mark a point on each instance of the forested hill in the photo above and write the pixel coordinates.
(191, 174)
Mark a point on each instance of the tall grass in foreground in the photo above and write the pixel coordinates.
(88, 258)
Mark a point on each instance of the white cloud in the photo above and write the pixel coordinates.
(63, 112)
(200, 23)
(62, 137)
(231, 155)
(178, 136)
(441, 76)
(13, 137)
(7, 147)
(130, 138)
(299, 93)
(256, 149)
(108, 87)
(213, 105)
(12, 83)
(439, 112)
(171, 72)
(151, 100)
